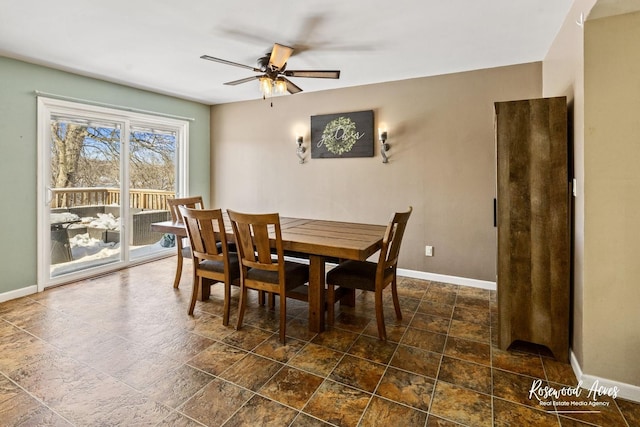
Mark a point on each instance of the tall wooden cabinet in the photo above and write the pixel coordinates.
(533, 221)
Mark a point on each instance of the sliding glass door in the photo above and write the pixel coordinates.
(104, 178)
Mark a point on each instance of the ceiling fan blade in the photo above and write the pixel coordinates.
(279, 55)
(235, 64)
(319, 74)
(245, 80)
(291, 87)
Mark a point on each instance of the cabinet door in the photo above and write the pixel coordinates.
(533, 223)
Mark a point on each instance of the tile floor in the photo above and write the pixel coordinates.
(121, 350)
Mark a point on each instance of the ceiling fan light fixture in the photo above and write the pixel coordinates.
(280, 86)
(266, 86)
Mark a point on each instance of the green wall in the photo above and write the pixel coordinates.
(18, 152)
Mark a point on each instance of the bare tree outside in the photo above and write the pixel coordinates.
(89, 156)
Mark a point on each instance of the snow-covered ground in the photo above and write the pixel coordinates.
(87, 251)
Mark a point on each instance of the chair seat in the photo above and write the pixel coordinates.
(355, 275)
(218, 266)
(296, 274)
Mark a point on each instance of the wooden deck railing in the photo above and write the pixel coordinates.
(87, 196)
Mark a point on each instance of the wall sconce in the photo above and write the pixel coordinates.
(301, 150)
(384, 147)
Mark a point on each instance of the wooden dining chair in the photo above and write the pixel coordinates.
(371, 276)
(255, 235)
(210, 253)
(184, 251)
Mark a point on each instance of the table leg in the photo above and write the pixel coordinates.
(316, 293)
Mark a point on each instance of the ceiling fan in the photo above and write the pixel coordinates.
(272, 66)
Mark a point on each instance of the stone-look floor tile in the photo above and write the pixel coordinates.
(184, 346)
(441, 286)
(559, 373)
(108, 402)
(259, 411)
(630, 411)
(274, 349)
(474, 315)
(359, 373)
(55, 375)
(582, 408)
(472, 302)
(425, 340)
(382, 412)
(440, 296)
(412, 288)
(435, 308)
(263, 318)
(430, 323)
(415, 360)
(517, 362)
(216, 402)
(466, 374)
(247, 338)
(517, 388)
(569, 422)
(217, 358)
(407, 388)
(210, 326)
(146, 370)
(474, 292)
(434, 421)
(351, 322)
(406, 303)
(470, 331)
(394, 332)
(336, 339)
(506, 414)
(176, 419)
(305, 420)
(252, 371)
(291, 387)
(299, 328)
(338, 404)
(471, 351)
(23, 410)
(461, 405)
(316, 359)
(176, 387)
(373, 349)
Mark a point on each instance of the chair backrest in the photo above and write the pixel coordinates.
(392, 240)
(205, 228)
(253, 233)
(194, 202)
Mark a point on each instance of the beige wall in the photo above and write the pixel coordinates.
(612, 197)
(441, 162)
(598, 68)
(562, 74)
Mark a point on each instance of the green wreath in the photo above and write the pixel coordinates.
(339, 135)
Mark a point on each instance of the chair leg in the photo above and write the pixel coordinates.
(382, 332)
(261, 297)
(227, 302)
(176, 281)
(283, 317)
(272, 300)
(396, 302)
(242, 306)
(331, 304)
(197, 284)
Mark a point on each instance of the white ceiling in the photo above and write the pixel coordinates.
(157, 44)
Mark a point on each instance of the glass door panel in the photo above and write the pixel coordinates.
(84, 211)
(152, 179)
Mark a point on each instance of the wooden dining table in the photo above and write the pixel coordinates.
(319, 241)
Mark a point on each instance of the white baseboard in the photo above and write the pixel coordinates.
(625, 391)
(18, 293)
(455, 280)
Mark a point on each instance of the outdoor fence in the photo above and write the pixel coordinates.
(90, 196)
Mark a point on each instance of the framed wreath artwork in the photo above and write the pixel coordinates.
(342, 135)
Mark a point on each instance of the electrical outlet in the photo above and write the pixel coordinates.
(428, 251)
